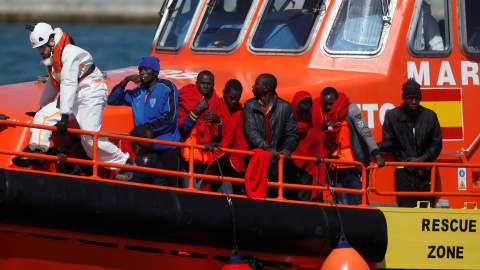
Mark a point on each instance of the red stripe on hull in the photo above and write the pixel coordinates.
(452, 133)
(442, 95)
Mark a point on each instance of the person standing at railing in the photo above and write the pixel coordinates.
(199, 121)
(233, 137)
(154, 103)
(311, 141)
(83, 95)
(346, 137)
(412, 132)
(271, 125)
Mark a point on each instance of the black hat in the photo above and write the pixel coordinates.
(411, 88)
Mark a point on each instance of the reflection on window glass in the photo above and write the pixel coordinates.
(222, 23)
(358, 26)
(287, 24)
(472, 20)
(431, 27)
(180, 15)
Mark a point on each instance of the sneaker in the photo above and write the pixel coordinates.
(26, 162)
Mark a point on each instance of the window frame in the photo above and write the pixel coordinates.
(240, 38)
(308, 44)
(462, 30)
(412, 28)
(356, 54)
(162, 25)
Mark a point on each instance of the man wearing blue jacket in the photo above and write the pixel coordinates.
(154, 103)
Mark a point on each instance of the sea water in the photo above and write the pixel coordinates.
(112, 46)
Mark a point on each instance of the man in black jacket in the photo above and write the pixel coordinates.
(270, 123)
(413, 133)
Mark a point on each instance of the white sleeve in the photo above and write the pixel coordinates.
(48, 95)
(69, 78)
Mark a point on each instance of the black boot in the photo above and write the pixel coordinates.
(126, 175)
(25, 162)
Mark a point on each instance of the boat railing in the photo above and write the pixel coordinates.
(470, 189)
(281, 184)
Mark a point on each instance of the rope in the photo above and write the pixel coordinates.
(211, 148)
(322, 160)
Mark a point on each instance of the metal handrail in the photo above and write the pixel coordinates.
(464, 151)
(280, 184)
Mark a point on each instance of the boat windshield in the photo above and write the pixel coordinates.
(179, 15)
(358, 26)
(222, 23)
(287, 24)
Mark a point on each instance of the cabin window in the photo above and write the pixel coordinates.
(222, 24)
(287, 25)
(470, 23)
(359, 26)
(176, 17)
(429, 33)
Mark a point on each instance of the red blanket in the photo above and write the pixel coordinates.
(187, 101)
(336, 113)
(256, 176)
(233, 134)
(233, 137)
(311, 140)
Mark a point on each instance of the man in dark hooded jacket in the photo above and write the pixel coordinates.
(413, 133)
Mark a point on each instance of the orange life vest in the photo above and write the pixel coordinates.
(342, 146)
(57, 62)
(199, 156)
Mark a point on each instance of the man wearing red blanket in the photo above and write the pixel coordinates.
(346, 137)
(233, 137)
(311, 140)
(198, 119)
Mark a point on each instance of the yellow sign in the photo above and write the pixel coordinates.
(432, 238)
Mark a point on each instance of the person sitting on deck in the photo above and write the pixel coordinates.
(3, 117)
(154, 103)
(145, 156)
(233, 137)
(346, 137)
(311, 140)
(271, 124)
(199, 120)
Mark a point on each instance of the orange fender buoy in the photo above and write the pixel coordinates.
(236, 263)
(344, 257)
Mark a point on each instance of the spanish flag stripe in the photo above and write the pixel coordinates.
(449, 112)
(452, 133)
(442, 95)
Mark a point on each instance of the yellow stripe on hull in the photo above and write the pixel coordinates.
(431, 238)
(449, 112)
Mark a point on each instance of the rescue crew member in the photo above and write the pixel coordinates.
(154, 103)
(346, 137)
(412, 132)
(83, 95)
(199, 120)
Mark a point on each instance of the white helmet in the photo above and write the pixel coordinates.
(40, 34)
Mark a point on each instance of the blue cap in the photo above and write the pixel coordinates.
(150, 62)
